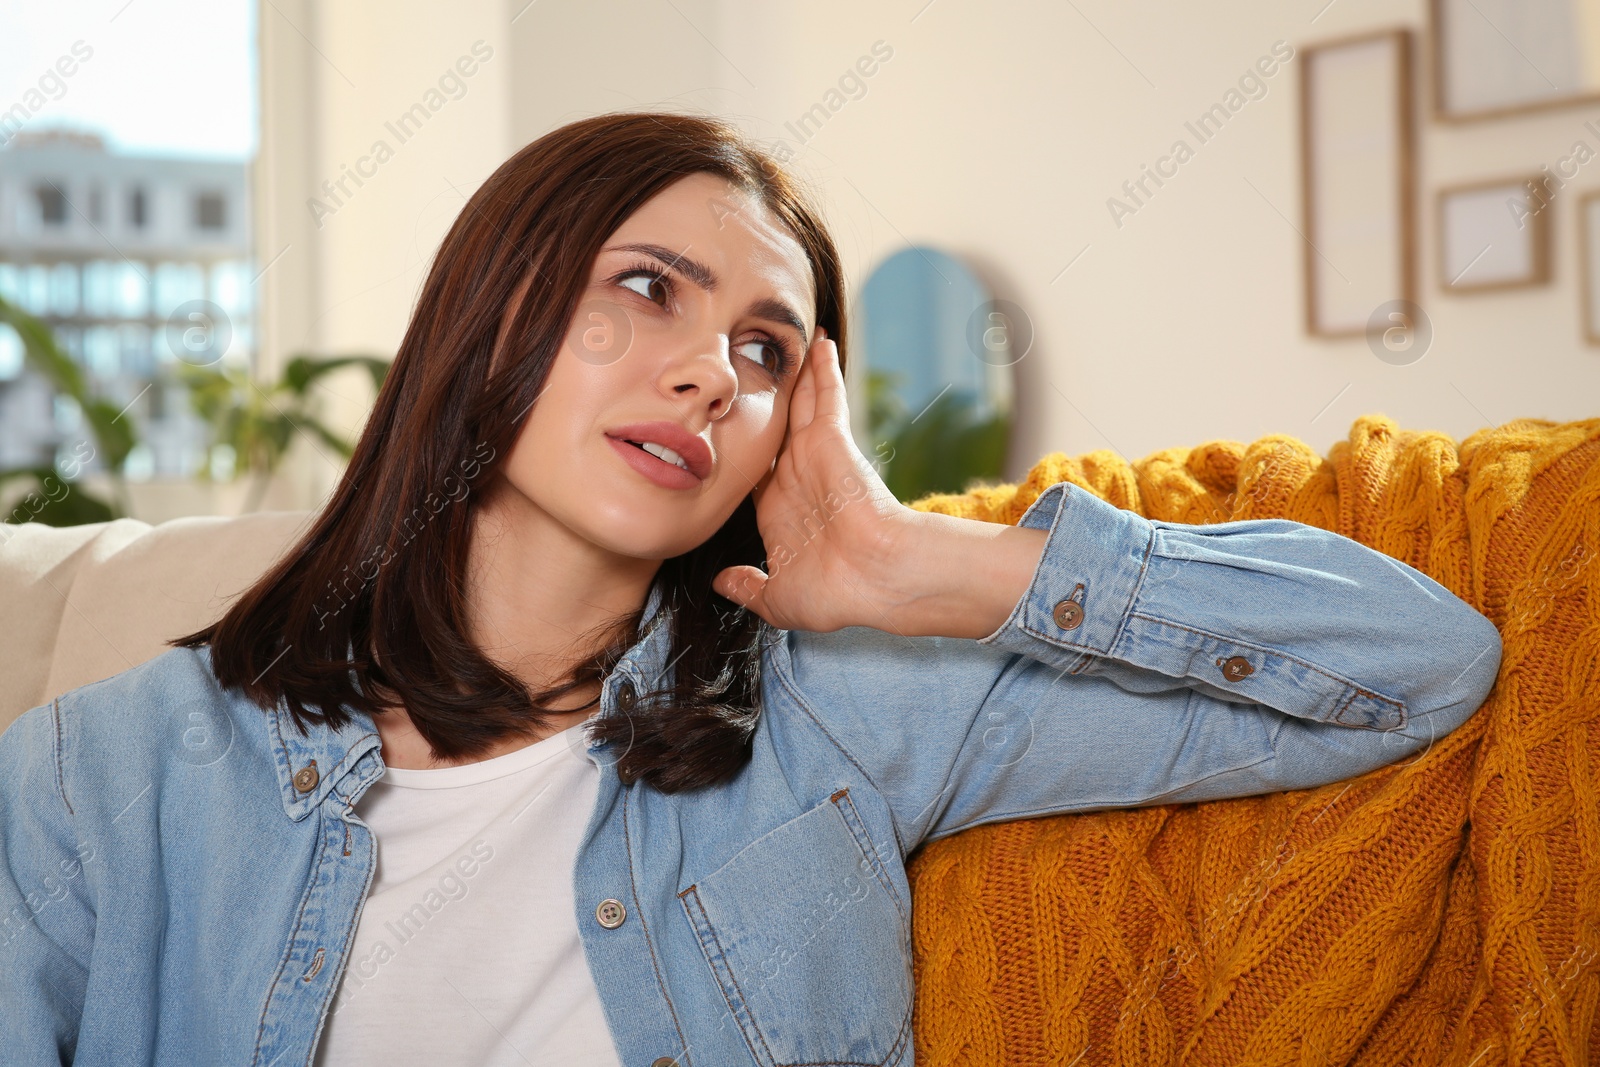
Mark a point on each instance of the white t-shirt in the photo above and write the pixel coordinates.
(467, 950)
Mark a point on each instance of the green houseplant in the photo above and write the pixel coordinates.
(56, 499)
(251, 423)
(253, 426)
(944, 449)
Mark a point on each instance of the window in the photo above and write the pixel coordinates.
(105, 237)
(208, 211)
(10, 353)
(138, 213)
(173, 284)
(52, 204)
(99, 288)
(64, 289)
(36, 289)
(133, 290)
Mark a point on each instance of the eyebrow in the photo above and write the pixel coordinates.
(703, 277)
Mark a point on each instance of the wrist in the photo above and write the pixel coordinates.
(946, 576)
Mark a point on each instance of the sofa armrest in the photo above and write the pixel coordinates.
(86, 602)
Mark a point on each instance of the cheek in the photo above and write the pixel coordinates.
(563, 415)
(764, 414)
(754, 443)
(601, 334)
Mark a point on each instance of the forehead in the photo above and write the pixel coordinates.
(706, 217)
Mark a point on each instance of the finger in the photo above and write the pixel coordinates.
(803, 402)
(744, 585)
(828, 385)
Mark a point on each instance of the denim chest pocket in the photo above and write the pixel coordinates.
(809, 944)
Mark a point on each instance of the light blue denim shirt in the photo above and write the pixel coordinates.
(183, 874)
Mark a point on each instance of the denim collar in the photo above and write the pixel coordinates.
(324, 756)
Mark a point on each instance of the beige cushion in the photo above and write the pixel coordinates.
(85, 602)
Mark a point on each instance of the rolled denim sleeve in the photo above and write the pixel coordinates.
(46, 908)
(1257, 611)
(1154, 662)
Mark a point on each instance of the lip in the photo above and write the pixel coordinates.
(694, 450)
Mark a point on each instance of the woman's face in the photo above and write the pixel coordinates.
(689, 328)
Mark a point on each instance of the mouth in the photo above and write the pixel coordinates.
(645, 458)
(661, 452)
(668, 444)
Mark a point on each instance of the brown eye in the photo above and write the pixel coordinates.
(780, 360)
(653, 282)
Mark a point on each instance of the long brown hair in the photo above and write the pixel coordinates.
(382, 572)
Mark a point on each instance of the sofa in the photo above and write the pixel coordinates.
(1442, 910)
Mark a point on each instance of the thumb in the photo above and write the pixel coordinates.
(744, 585)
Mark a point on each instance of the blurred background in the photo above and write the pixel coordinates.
(1091, 225)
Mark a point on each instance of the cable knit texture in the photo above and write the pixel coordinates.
(1441, 910)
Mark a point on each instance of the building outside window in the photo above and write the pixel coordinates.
(210, 212)
(123, 296)
(52, 204)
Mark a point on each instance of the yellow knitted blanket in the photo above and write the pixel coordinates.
(1443, 910)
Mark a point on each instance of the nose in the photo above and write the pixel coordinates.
(705, 378)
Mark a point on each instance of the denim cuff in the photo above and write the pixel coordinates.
(1078, 600)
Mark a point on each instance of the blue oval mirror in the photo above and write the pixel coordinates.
(938, 351)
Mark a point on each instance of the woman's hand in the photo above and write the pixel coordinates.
(843, 551)
(831, 527)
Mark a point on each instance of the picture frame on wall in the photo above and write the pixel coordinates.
(1493, 235)
(1358, 184)
(1496, 58)
(1589, 263)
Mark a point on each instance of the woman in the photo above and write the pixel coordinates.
(595, 717)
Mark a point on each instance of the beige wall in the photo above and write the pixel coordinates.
(996, 132)
(345, 272)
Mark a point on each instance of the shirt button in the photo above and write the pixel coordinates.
(664, 1061)
(305, 779)
(626, 696)
(1068, 614)
(611, 913)
(1235, 668)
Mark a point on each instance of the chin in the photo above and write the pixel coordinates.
(646, 548)
(638, 530)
